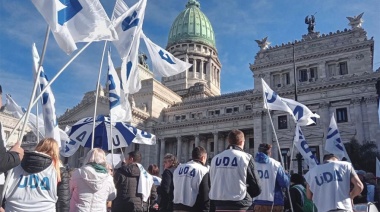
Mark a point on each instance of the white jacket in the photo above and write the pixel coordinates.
(90, 190)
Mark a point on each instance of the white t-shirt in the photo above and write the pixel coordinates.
(31, 192)
(267, 173)
(330, 184)
(186, 180)
(228, 175)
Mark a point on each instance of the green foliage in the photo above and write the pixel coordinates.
(363, 156)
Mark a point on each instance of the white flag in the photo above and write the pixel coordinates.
(164, 62)
(48, 101)
(119, 9)
(18, 112)
(303, 148)
(377, 167)
(302, 114)
(334, 143)
(76, 21)
(120, 109)
(272, 101)
(128, 27)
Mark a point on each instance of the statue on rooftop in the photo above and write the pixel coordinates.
(263, 43)
(356, 21)
(142, 60)
(311, 22)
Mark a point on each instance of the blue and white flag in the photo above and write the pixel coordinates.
(303, 148)
(120, 108)
(48, 108)
(301, 114)
(128, 27)
(334, 142)
(272, 101)
(164, 62)
(76, 21)
(69, 146)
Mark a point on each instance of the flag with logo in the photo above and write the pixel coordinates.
(163, 62)
(120, 109)
(334, 142)
(303, 148)
(272, 101)
(128, 27)
(76, 21)
(302, 115)
(48, 101)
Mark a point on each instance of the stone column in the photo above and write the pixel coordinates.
(201, 70)
(208, 145)
(196, 136)
(162, 154)
(215, 142)
(358, 119)
(257, 130)
(373, 117)
(325, 121)
(186, 143)
(179, 148)
(194, 68)
(158, 152)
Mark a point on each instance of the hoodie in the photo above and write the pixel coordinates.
(90, 190)
(282, 181)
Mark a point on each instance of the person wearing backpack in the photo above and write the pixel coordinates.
(298, 197)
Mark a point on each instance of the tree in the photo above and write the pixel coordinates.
(363, 156)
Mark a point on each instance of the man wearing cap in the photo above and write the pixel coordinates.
(273, 180)
(328, 185)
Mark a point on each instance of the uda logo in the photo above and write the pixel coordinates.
(327, 177)
(32, 181)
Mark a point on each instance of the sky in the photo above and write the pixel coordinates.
(236, 23)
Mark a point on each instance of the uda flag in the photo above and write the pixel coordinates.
(272, 101)
(120, 109)
(301, 114)
(334, 142)
(73, 21)
(48, 109)
(303, 148)
(164, 62)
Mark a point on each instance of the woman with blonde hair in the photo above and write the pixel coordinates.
(165, 190)
(91, 185)
(33, 184)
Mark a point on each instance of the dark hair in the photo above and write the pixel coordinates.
(198, 152)
(236, 137)
(297, 179)
(265, 148)
(136, 155)
(328, 157)
(153, 170)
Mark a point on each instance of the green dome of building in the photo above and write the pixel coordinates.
(192, 25)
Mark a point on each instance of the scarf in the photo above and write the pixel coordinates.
(98, 168)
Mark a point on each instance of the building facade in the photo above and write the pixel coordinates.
(334, 74)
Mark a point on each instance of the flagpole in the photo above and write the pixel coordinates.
(97, 95)
(35, 85)
(278, 146)
(49, 83)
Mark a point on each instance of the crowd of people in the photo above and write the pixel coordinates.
(234, 181)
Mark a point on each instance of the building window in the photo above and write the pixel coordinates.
(193, 115)
(282, 122)
(191, 68)
(204, 67)
(217, 112)
(198, 65)
(248, 107)
(211, 113)
(303, 75)
(177, 118)
(211, 146)
(183, 117)
(251, 143)
(236, 109)
(229, 110)
(341, 115)
(286, 78)
(276, 80)
(343, 68)
(331, 70)
(137, 147)
(285, 154)
(315, 151)
(313, 74)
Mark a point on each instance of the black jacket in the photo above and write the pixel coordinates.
(63, 192)
(126, 179)
(8, 160)
(165, 191)
(202, 203)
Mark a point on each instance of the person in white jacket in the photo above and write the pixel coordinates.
(91, 185)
